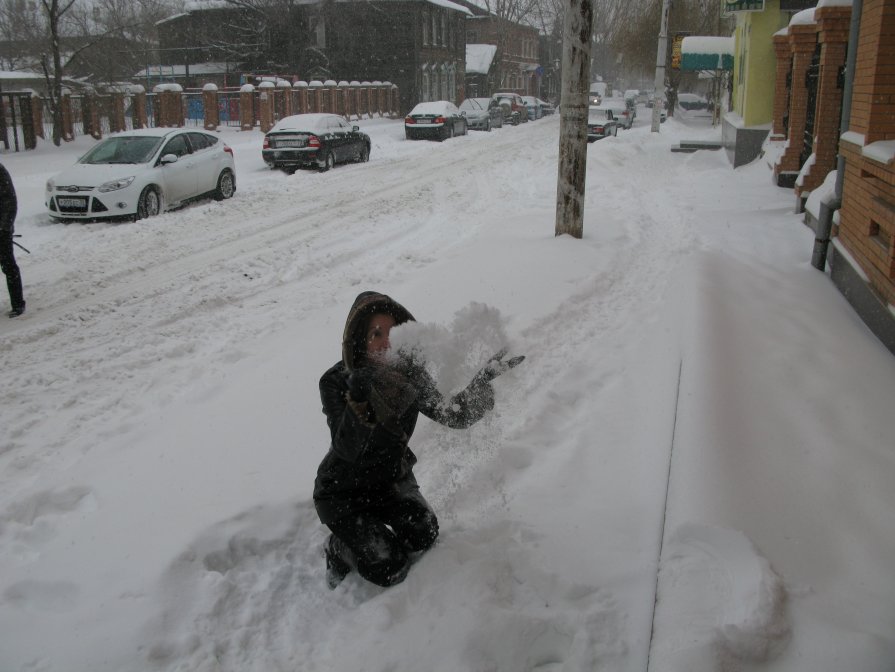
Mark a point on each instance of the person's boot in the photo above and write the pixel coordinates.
(336, 568)
(16, 311)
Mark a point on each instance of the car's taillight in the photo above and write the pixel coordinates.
(409, 120)
(439, 120)
(266, 144)
(314, 141)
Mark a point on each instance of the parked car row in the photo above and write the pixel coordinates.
(142, 173)
(442, 119)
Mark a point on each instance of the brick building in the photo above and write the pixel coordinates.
(418, 45)
(516, 66)
(863, 258)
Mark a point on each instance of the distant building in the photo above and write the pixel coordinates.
(418, 45)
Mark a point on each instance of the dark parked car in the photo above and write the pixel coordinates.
(514, 109)
(320, 140)
(600, 123)
(439, 119)
(481, 114)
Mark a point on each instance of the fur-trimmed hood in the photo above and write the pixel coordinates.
(366, 304)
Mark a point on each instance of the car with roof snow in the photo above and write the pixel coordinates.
(439, 119)
(141, 173)
(481, 114)
(620, 111)
(514, 109)
(601, 122)
(316, 140)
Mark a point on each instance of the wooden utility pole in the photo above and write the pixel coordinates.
(659, 93)
(577, 40)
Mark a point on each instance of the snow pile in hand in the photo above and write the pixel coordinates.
(453, 353)
(720, 605)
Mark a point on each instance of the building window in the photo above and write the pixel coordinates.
(434, 29)
(424, 89)
(425, 28)
(444, 40)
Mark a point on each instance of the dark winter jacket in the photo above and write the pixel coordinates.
(369, 461)
(8, 202)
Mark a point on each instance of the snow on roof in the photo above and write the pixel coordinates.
(313, 122)
(180, 70)
(707, 45)
(803, 18)
(433, 107)
(479, 58)
(441, 3)
(834, 3)
(20, 74)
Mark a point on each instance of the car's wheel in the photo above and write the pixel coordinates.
(226, 185)
(364, 154)
(149, 204)
(329, 162)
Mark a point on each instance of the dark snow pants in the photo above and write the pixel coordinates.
(378, 542)
(11, 270)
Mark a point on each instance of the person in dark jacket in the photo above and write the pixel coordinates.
(365, 490)
(8, 209)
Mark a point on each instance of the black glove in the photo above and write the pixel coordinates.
(360, 382)
(496, 366)
(394, 388)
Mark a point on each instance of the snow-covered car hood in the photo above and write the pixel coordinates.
(93, 174)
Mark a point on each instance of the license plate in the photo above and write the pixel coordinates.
(72, 202)
(290, 143)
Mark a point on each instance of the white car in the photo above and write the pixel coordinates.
(138, 174)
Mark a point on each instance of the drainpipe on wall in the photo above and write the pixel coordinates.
(828, 209)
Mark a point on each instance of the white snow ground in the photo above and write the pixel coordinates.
(162, 426)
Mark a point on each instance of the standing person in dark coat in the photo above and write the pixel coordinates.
(365, 490)
(8, 209)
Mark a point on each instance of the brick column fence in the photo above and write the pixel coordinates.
(139, 106)
(833, 26)
(68, 120)
(267, 102)
(783, 52)
(247, 107)
(170, 97)
(37, 114)
(802, 40)
(284, 99)
(116, 118)
(211, 107)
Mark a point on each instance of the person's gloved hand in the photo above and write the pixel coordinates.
(394, 388)
(360, 383)
(498, 365)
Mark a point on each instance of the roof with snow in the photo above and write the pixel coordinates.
(180, 70)
(479, 58)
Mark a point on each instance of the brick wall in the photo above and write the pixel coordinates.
(832, 34)
(802, 41)
(873, 103)
(867, 218)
